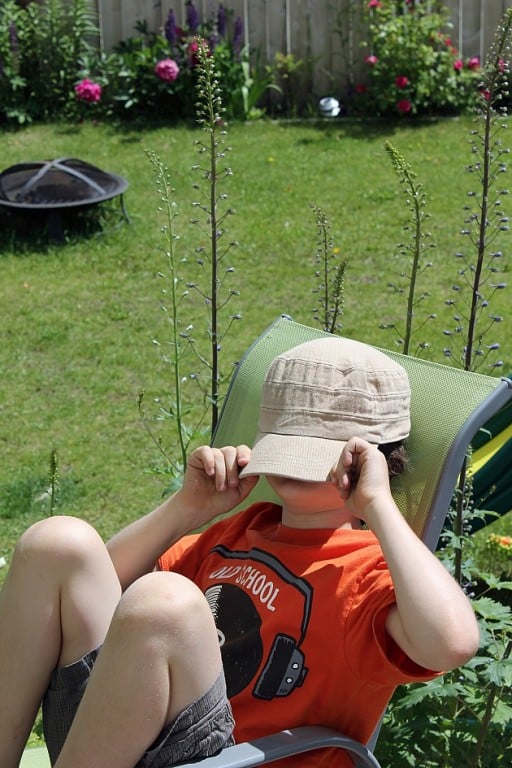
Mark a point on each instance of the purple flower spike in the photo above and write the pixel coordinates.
(238, 37)
(192, 18)
(221, 21)
(171, 33)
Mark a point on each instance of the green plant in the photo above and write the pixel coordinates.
(412, 65)
(136, 86)
(412, 251)
(187, 343)
(41, 46)
(331, 274)
(466, 717)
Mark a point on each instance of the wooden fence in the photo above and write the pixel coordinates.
(326, 33)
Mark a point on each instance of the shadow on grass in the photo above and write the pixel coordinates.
(22, 233)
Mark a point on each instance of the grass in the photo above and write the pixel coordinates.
(78, 319)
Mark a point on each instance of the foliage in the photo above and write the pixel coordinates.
(497, 552)
(41, 46)
(412, 65)
(47, 51)
(465, 718)
(134, 83)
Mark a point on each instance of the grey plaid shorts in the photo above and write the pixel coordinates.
(201, 730)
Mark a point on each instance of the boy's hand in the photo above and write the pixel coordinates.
(212, 485)
(362, 477)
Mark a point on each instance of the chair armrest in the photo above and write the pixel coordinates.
(284, 744)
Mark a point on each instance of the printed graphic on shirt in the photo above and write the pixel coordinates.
(251, 591)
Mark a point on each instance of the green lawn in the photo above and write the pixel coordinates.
(78, 320)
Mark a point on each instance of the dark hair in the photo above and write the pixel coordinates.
(396, 457)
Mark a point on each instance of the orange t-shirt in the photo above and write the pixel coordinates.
(301, 617)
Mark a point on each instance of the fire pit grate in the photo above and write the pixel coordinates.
(54, 185)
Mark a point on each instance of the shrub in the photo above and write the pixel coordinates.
(154, 76)
(41, 46)
(412, 65)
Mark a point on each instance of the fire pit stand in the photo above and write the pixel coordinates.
(53, 186)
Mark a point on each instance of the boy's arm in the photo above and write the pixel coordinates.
(211, 487)
(433, 621)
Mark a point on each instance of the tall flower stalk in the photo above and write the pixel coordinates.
(213, 290)
(174, 293)
(412, 250)
(485, 220)
(185, 350)
(331, 275)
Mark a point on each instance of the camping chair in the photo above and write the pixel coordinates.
(448, 407)
(491, 466)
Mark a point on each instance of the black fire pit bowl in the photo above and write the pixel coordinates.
(55, 185)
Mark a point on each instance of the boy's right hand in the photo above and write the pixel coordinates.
(212, 485)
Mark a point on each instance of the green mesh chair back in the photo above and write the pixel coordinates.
(448, 406)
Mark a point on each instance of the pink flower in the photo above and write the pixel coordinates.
(404, 106)
(371, 60)
(88, 91)
(167, 70)
(401, 81)
(374, 4)
(458, 64)
(193, 51)
(474, 62)
(485, 94)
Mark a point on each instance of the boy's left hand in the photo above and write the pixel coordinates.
(361, 476)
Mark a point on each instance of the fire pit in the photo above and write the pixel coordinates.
(55, 185)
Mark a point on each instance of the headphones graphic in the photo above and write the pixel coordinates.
(284, 670)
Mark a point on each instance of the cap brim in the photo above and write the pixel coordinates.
(300, 458)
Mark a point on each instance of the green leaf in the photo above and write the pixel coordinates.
(490, 610)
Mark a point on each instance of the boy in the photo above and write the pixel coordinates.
(305, 617)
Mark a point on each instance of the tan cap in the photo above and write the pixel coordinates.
(320, 394)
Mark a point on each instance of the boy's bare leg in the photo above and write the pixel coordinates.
(56, 604)
(160, 655)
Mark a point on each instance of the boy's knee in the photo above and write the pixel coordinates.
(65, 537)
(163, 603)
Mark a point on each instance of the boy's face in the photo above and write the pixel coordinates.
(312, 500)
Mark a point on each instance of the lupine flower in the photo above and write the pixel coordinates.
(192, 17)
(221, 21)
(171, 32)
(238, 37)
(167, 70)
(458, 64)
(371, 60)
(88, 91)
(404, 106)
(474, 62)
(402, 81)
